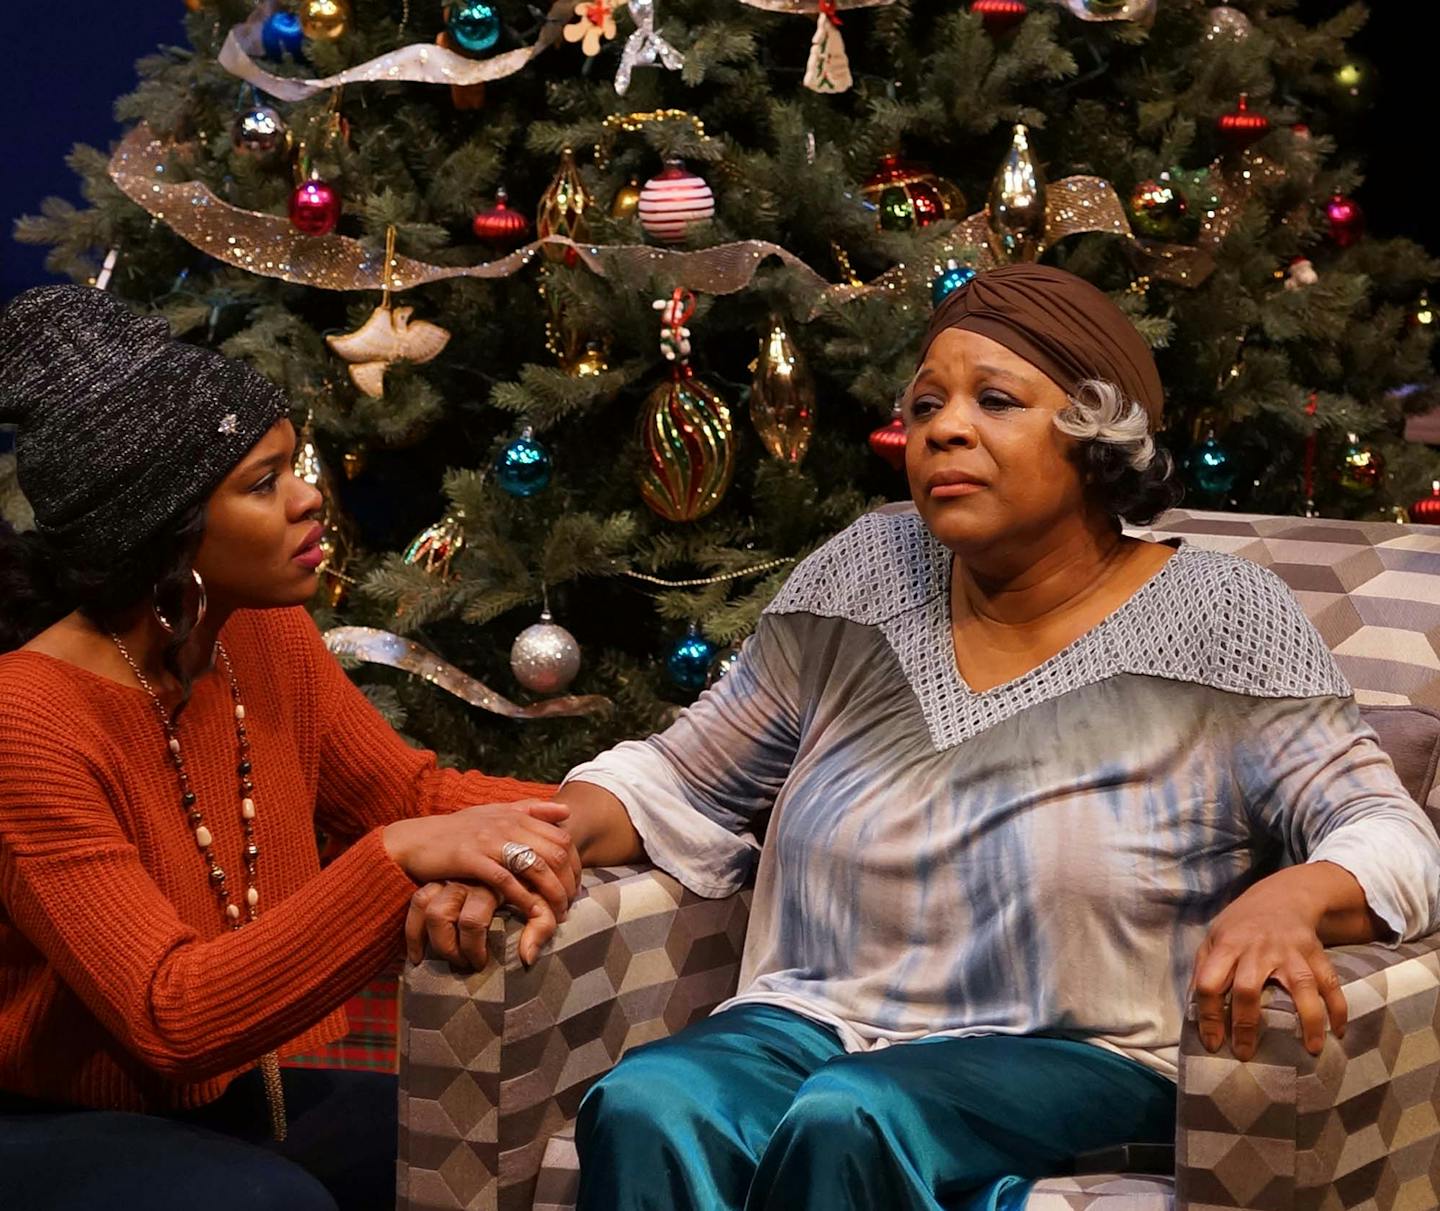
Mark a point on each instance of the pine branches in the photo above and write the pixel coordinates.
(1240, 355)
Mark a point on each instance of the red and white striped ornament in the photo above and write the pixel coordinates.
(672, 200)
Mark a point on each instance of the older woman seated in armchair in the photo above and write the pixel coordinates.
(1026, 786)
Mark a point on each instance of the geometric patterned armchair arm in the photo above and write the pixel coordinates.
(494, 1062)
(1357, 1126)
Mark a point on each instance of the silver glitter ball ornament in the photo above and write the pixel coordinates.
(258, 131)
(724, 661)
(545, 657)
(1223, 23)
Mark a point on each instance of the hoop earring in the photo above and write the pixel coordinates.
(165, 624)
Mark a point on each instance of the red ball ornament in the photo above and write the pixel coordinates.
(501, 224)
(1346, 219)
(315, 207)
(1426, 512)
(888, 442)
(1000, 15)
(1241, 127)
(672, 200)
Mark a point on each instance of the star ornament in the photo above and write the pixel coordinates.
(594, 22)
(229, 424)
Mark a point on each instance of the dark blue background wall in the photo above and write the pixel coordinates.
(63, 75)
(64, 68)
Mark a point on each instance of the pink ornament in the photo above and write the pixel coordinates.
(315, 207)
(672, 200)
(1347, 222)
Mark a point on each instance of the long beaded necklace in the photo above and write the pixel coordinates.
(204, 840)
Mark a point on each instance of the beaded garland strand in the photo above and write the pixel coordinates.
(204, 840)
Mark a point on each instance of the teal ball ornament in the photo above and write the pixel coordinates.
(1211, 467)
(951, 277)
(524, 466)
(281, 35)
(688, 664)
(474, 25)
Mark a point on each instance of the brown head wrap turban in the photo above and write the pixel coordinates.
(1058, 323)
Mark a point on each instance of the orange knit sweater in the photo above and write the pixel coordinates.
(119, 985)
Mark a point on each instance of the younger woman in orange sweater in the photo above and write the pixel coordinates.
(171, 730)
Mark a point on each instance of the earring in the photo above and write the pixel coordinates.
(164, 622)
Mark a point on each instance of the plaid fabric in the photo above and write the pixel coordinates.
(493, 1064)
(374, 1014)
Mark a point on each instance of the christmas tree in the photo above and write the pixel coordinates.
(643, 423)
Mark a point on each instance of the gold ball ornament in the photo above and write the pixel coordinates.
(590, 362)
(782, 397)
(1353, 85)
(1017, 202)
(687, 441)
(324, 20)
(627, 200)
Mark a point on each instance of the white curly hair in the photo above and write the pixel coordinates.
(1099, 412)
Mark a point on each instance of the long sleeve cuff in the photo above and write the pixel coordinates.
(1394, 865)
(706, 857)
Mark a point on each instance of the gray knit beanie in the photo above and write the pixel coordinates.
(121, 427)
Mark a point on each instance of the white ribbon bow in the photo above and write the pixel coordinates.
(644, 46)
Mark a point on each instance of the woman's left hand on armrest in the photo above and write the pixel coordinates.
(1278, 930)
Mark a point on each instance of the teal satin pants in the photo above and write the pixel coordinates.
(761, 1109)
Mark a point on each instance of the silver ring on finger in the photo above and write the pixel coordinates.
(518, 857)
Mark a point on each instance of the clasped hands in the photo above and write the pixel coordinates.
(458, 858)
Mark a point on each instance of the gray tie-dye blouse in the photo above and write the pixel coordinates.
(1041, 857)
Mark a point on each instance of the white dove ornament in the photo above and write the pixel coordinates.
(385, 338)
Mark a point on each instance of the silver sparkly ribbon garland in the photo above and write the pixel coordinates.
(419, 63)
(267, 244)
(644, 47)
(425, 64)
(373, 646)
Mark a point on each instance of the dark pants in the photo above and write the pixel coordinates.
(340, 1153)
